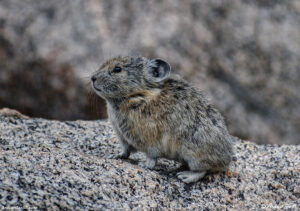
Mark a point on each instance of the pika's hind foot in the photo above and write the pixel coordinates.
(190, 176)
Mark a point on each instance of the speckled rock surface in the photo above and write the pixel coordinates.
(55, 165)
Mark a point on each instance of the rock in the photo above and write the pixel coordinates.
(245, 54)
(35, 84)
(65, 165)
(12, 112)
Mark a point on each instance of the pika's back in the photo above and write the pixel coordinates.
(175, 106)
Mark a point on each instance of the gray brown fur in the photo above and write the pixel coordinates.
(162, 116)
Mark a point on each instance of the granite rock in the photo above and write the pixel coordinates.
(65, 165)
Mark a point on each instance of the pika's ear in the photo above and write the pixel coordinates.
(158, 70)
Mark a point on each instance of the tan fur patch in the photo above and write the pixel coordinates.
(146, 94)
(145, 127)
(138, 97)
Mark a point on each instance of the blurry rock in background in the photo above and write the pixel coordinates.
(37, 84)
(244, 54)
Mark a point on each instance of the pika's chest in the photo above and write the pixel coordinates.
(139, 130)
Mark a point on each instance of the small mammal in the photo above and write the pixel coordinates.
(163, 116)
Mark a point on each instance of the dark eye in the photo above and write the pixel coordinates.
(117, 69)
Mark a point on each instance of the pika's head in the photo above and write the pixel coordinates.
(123, 76)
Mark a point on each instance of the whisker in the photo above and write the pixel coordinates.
(96, 104)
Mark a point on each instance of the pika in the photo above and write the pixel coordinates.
(163, 116)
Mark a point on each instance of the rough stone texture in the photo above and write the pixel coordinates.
(65, 165)
(37, 84)
(245, 54)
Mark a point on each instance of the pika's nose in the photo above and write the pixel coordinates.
(93, 78)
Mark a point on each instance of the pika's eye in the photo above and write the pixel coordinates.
(117, 69)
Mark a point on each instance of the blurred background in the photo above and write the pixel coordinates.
(245, 55)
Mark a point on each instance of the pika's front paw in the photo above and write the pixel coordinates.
(118, 156)
(190, 176)
(149, 164)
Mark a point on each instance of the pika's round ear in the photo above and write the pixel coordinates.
(158, 70)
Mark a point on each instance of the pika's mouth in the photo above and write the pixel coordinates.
(96, 88)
